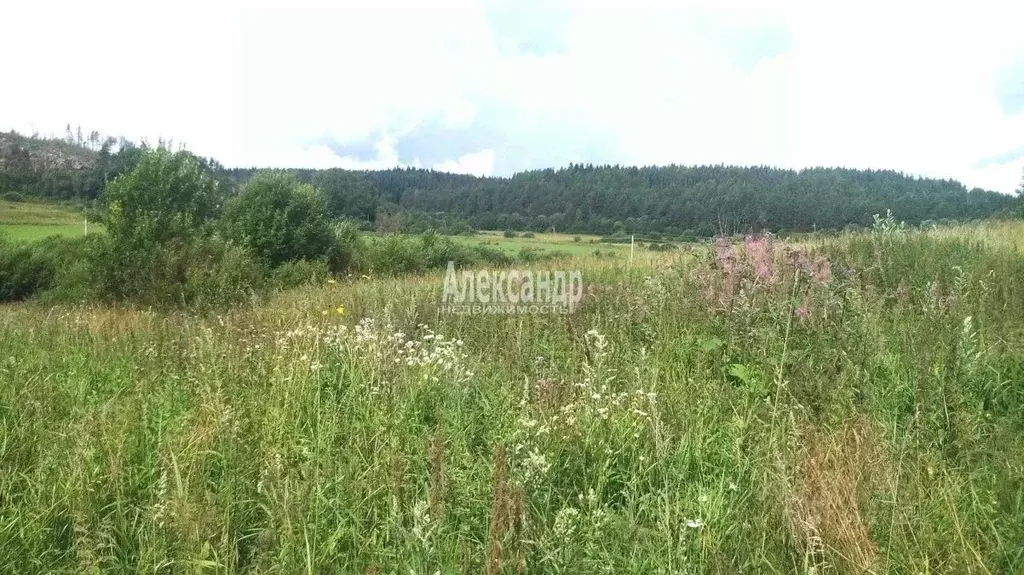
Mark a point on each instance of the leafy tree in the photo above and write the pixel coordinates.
(166, 197)
(279, 219)
(347, 193)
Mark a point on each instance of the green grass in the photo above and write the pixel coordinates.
(31, 221)
(562, 244)
(692, 416)
(31, 233)
(35, 213)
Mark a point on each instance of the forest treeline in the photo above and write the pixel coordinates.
(696, 201)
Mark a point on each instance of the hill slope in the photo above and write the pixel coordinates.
(676, 200)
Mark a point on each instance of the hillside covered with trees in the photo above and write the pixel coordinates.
(697, 201)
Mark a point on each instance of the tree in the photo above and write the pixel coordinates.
(159, 219)
(166, 197)
(279, 219)
(347, 193)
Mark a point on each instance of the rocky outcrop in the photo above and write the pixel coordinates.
(19, 152)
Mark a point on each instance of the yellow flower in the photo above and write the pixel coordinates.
(331, 281)
(340, 309)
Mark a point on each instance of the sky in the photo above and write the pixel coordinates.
(493, 87)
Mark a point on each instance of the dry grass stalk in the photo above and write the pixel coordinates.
(833, 476)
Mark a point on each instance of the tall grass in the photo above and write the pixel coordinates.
(851, 406)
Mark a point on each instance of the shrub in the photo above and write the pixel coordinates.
(531, 254)
(279, 220)
(528, 234)
(293, 274)
(78, 267)
(217, 275)
(511, 233)
(402, 254)
(24, 271)
(202, 274)
(166, 198)
(12, 197)
(346, 248)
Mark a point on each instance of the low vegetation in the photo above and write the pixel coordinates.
(828, 405)
(261, 379)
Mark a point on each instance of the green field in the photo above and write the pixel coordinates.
(560, 244)
(29, 221)
(31, 233)
(845, 405)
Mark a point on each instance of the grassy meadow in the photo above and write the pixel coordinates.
(30, 221)
(842, 405)
(546, 244)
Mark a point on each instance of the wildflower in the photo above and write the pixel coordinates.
(759, 253)
(565, 522)
(325, 312)
(340, 309)
(822, 272)
(803, 311)
(694, 523)
(331, 281)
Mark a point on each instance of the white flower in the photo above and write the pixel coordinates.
(565, 521)
(694, 523)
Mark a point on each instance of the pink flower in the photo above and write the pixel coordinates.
(803, 312)
(823, 271)
(759, 254)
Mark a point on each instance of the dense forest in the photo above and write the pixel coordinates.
(697, 201)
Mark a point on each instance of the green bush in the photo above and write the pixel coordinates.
(403, 254)
(203, 273)
(293, 274)
(78, 267)
(24, 271)
(166, 198)
(12, 197)
(217, 275)
(346, 247)
(528, 235)
(511, 233)
(279, 220)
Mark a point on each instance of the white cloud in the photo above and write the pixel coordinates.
(478, 164)
(912, 86)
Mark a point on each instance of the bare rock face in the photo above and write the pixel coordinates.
(19, 152)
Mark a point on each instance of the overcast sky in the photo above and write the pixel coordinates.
(499, 86)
